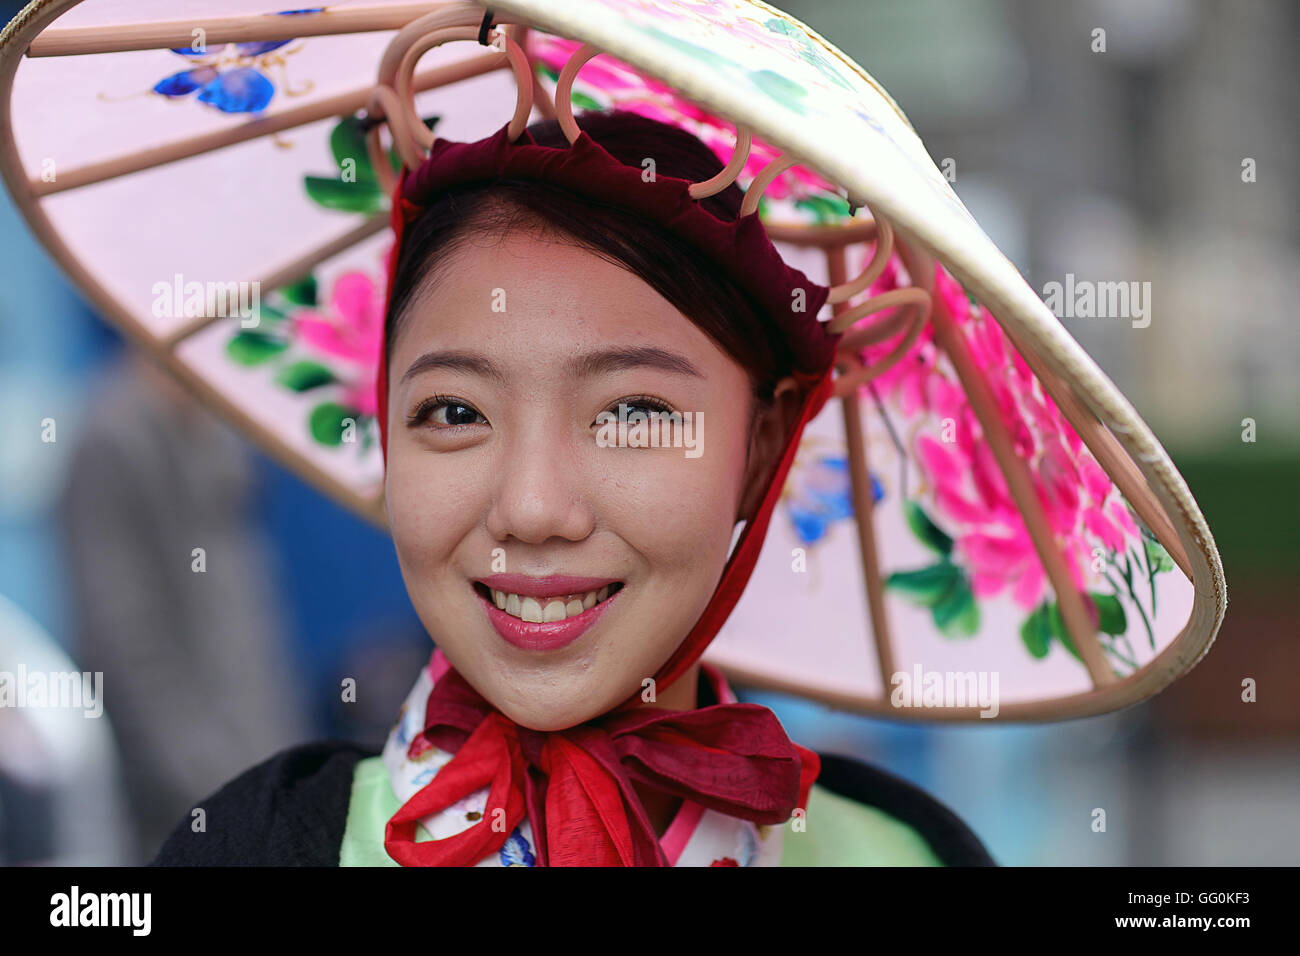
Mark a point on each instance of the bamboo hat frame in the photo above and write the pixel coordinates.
(1107, 426)
(392, 101)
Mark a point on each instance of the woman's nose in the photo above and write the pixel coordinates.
(541, 488)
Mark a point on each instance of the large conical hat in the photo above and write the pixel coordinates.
(982, 505)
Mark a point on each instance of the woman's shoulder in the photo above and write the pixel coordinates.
(289, 810)
(861, 815)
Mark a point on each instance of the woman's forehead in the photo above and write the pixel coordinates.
(526, 288)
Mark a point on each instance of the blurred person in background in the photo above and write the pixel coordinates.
(173, 595)
(61, 799)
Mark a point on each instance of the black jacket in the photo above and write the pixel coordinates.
(293, 808)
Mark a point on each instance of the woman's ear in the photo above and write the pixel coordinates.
(767, 439)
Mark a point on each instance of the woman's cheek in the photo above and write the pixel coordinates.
(677, 512)
(432, 504)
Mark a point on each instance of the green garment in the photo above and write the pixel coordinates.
(839, 832)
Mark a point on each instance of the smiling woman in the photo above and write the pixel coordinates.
(520, 314)
(517, 467)
(571, 583)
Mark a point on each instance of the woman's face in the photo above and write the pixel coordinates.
(500, 475)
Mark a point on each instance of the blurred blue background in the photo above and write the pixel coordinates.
(1125, 161)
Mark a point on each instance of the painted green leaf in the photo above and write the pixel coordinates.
(546, 71)
(1112, 617)
(838, 205)
(814, 56)
(808, 51)
(269, 311)
(785, 28)
(583, 101)
(348, 142)
(817, 210)
(780, 88)
(254, 348)
(925, 586)
(1157, 556)
(956, 614)
(304, 375)
(926, 531)
(692, 49)
(347, 197)
(824, 208)
(327, 421)
(1036, 632)
(302, 292)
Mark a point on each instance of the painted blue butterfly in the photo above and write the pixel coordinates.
(820, 495)
(241, 89)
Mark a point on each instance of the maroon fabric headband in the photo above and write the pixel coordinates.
(740, 248)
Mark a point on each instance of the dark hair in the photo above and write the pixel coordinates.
(666, 262)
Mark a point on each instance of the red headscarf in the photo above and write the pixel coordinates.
(576, 785)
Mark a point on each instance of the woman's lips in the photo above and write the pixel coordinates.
(548, 635)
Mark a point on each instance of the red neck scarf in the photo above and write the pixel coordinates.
(577, 786)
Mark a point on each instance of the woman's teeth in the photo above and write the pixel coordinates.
(542, 610)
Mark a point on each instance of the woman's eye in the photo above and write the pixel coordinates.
(641, 403)
(442, 412)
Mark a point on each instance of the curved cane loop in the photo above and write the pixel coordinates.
(764, 179)
(453, 15)
(564, 113)
(874, 269)
(393, 100)
(518, 64)
(710, 187)
(379, 161)
(855, 339)
(523, 79)
(406, 70)
(564, 89)
(845, 320)
(384, 105)
(855, 377)
(912, 302)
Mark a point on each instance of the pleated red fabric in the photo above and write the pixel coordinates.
(577, 786)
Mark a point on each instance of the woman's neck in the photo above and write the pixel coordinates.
(662, 807)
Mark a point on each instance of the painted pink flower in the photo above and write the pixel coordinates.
(1120, 513)
(1078, 498)
(352, 330)
(994, 561)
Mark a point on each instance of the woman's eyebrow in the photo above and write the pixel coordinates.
(587, 365)
(473, 363)
(605, 361)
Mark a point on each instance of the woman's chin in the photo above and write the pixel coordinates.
(561, 713)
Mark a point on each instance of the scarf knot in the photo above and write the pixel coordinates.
(578, 786)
